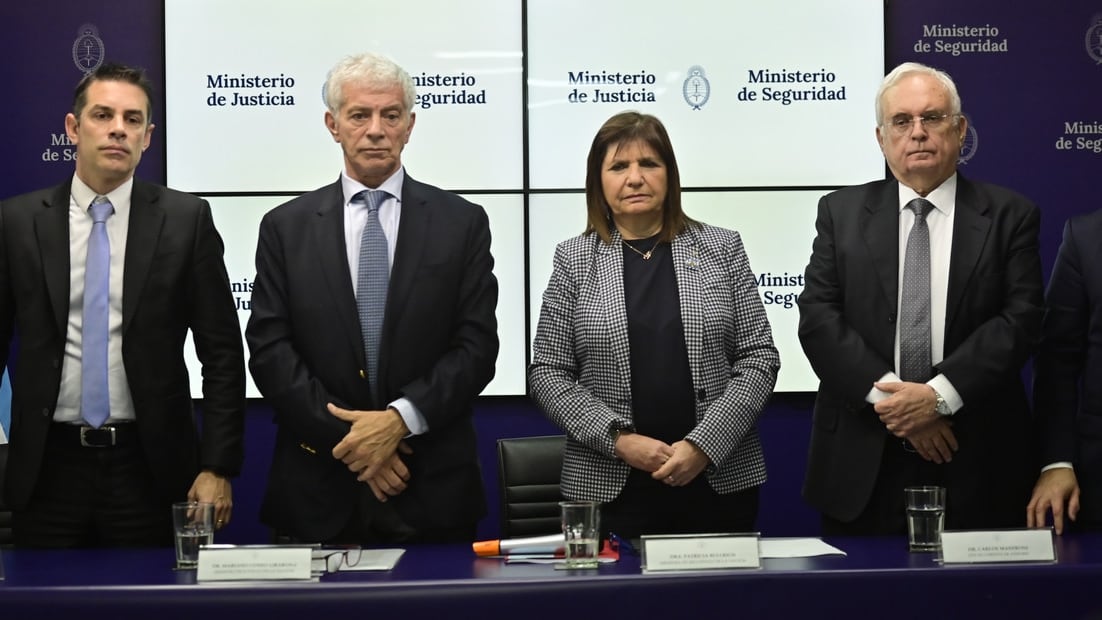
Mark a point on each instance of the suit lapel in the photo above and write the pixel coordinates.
(414, 231)
(333, 265)
(687, 268)
(880, 229)
(610, 283)
(52, 234)
(971, 226)
(142, 236)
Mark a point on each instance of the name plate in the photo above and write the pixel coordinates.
(977, 546)
(701, 552)
(253, 563)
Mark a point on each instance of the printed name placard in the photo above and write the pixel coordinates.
(977, 546)
(253, 563)
(701, 552)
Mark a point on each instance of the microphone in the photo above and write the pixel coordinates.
(551, 543)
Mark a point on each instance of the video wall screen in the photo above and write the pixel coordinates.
(769, 105)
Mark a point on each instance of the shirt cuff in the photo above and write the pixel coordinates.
(874, 396)
(411, 415)
(1057, 465)
(948, 393)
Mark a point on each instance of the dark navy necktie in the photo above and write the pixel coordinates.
(95, 399)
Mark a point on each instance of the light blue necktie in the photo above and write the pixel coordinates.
(914, 315)
(95, 400)
(372, 280)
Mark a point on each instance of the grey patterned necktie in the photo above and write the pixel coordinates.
(914, 315)
(372, 280)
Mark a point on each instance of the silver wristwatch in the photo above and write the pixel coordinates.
(942, 407)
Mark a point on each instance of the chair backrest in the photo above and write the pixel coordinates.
(5, 514)
(529, 469)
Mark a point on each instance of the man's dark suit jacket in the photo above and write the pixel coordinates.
(438, 349)
(174, 279)
(1067, 379)
(993, 316)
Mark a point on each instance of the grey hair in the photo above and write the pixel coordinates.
(909, 68)
(367, 68)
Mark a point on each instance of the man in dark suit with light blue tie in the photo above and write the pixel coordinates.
(961, 420)
(1067, 391)
(373, 381)
(101, 278)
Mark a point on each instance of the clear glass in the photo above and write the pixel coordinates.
(193, 523)
(580, 532)
(925, 517)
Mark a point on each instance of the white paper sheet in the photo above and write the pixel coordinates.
(796, 548)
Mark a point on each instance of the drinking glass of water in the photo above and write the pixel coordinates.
(194, 525)
(579, 528)
(925, 517)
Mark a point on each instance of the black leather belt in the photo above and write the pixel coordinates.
(107, 436)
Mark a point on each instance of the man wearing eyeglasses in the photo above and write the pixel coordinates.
(923, 300)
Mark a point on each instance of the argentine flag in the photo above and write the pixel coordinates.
(5, 408)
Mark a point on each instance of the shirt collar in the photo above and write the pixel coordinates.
(84, 195)
(392, 185)
(943, 197)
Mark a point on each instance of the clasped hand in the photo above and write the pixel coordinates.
(676, 465)
(910, 413)
(372, 449)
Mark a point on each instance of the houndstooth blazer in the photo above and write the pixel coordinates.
(580, 372)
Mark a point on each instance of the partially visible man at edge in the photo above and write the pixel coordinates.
(1067, 391)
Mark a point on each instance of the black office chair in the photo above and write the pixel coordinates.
(5, 514)
(530, 468)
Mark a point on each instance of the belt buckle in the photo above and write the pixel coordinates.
(91, 437)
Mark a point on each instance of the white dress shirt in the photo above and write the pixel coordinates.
(80, 229)
(940, 222)
(390, 214)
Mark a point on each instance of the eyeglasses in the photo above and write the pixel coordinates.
(334, 559)
(932, 121)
